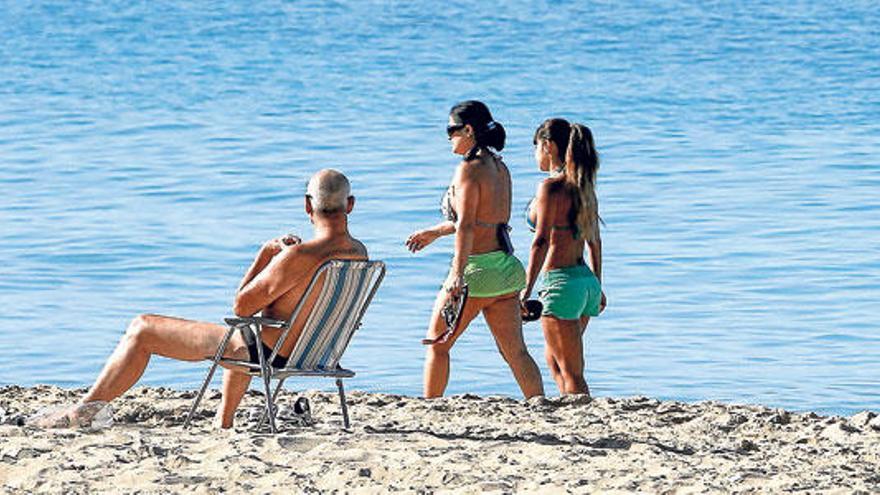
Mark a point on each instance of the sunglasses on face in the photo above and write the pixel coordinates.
(453, 128)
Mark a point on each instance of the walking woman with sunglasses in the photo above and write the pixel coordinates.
(484, 272)
(565, 217)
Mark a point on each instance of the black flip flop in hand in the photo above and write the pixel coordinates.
(451, 314)
(531, 309)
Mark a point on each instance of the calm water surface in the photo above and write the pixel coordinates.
(147, 150)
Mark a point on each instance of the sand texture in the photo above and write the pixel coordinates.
(460, 444)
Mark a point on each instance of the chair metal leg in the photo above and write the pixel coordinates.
(264, 372)
(342, 403)
(274, 403)
(219, 354)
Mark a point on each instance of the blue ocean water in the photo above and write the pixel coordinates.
(148, 148)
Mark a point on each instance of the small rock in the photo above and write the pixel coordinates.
(838, 432)
(728, 421)
(669, 407)
(780, 417)
(862, 419)
(746, 446)
(365, 473)
(875, 423)
(849, 428)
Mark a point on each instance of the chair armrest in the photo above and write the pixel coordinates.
(259, 320)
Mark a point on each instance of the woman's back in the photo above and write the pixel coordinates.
(492, 178)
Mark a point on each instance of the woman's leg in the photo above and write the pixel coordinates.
(166, 336)
(565, 347)
(436, 375)
(505, 320)
(551, 358)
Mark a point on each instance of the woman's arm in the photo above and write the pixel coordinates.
(467, 200)
(420, 240)
(596, 265)
(545, 212)
(596, 256)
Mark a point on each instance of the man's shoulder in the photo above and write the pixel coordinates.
(349, 248)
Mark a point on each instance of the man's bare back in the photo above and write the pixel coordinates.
(299, 263)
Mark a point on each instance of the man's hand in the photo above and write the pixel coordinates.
(275, 246)
(419, 240)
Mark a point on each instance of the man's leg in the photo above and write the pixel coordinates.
(234, 386)
(175, 338)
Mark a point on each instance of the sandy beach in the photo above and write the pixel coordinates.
(460, 444)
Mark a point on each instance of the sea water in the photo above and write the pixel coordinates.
(147, 149)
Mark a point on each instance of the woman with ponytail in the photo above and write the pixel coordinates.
(565, 217)
(484, 272)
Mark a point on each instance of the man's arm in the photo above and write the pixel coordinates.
(269, 283)
(269, 249)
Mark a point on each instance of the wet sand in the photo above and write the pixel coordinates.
(459, 444)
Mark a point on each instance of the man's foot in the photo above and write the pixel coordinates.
(94, 414)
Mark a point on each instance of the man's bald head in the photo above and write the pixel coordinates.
(329, 191)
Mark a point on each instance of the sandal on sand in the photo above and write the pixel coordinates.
(451, 313)
(300, 413)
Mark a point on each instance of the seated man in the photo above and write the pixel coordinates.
(273, 285)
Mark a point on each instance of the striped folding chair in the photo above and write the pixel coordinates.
(346, 293)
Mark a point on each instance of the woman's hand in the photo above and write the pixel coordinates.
(420, 239)
(275, 246)
(602, 303)
(454, 285)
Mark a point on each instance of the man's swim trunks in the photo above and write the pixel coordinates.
(251, 341)
(571, 292)
(493, 274)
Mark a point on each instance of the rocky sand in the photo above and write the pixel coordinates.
(459, 444)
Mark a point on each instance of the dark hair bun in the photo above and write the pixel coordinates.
(495, 136)
(475, 113)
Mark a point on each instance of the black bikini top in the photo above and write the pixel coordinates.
(502, 230)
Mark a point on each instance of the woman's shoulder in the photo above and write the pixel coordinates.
(552, 186)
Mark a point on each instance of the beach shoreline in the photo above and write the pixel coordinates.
(463, 444)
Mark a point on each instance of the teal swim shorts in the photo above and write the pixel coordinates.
(570, 293)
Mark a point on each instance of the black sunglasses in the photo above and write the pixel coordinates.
(453, 128)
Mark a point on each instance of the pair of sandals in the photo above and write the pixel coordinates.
(452, 310)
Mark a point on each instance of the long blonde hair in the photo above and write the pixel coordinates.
(581, 166)
(577, 150)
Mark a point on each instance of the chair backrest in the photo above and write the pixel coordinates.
(348, 288)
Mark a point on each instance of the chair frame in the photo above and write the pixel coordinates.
(264, 368)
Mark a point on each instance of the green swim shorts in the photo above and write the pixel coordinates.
(493, 274)
(571, 292)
